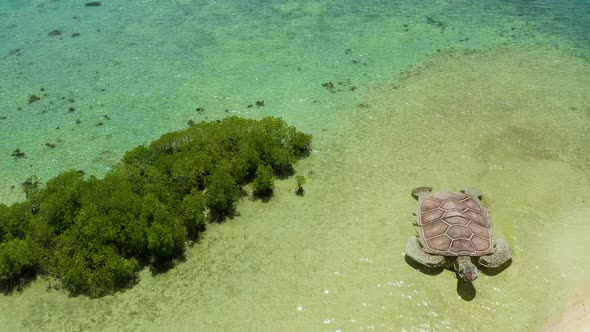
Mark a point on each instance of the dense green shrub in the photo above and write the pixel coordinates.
(14, 220)
(5, 233)
(263, 185)
(300, 179)
(58, 203)
(192, 212)
(94, 270)
(113, 194)
(222, 191)
(19, 260)
(166, 234)
(95, 234)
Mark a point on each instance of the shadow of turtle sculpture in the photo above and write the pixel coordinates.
(454, 232)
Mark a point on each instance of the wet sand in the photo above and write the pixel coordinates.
(524, 143)
(571, 312)
(575, 316)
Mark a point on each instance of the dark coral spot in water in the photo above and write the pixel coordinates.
(55, 32)
(12, 52)
(18, 154)
(329, 86)
(33, 98)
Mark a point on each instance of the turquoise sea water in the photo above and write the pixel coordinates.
(407, 75)
(148, 65)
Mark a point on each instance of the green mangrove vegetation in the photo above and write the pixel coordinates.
(94, 235)
(300, 182)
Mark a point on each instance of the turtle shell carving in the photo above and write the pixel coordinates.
(453, 224)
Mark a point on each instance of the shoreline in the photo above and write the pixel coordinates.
(575, 316)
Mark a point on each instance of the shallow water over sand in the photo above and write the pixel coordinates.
(332, 260)
(512, 120)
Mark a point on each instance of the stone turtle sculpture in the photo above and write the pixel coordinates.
(454, 231)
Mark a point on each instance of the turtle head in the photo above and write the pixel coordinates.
(466, 269)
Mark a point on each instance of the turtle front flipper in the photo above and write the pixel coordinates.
(415, 252)
(501, 255)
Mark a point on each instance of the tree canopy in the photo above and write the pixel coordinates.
(94, 235)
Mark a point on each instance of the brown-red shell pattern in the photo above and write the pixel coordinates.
(454, 224)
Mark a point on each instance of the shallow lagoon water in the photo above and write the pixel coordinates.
(455, 100)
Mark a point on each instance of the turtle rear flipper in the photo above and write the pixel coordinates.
(420, 191)
(473, 192)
